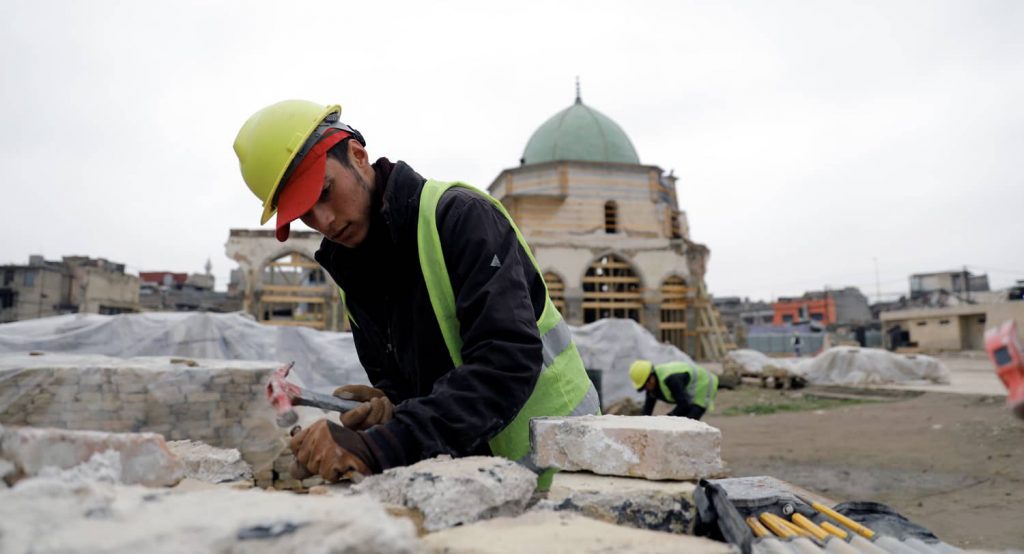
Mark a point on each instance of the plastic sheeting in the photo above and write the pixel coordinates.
(612, 344)
(753, 362)
(323, 360)
(847, 365)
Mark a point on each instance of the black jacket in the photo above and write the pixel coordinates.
(440, 409)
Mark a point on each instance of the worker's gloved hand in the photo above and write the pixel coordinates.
(331, 451)
(375, 409)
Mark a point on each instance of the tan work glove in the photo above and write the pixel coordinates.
(331, 451)
(374, 410)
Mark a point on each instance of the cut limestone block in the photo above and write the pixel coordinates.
(539, 531)
(209, 463)
(47, 516)
(655, 505)
(144, 457)
(660, 447)
(453, 492)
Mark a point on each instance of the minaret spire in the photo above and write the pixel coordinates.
(578, 99)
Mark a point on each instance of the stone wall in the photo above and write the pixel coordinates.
(218, 402)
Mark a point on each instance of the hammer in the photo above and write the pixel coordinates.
(284, 396)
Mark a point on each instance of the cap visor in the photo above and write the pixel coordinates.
(300, 194)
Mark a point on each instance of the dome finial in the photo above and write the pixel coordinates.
(578, 100)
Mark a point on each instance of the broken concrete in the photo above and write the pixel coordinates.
(451, 492)
(211, 464)
(45, 515)
(539, 531)
(144, 457)
(659, 447)
(655, 505)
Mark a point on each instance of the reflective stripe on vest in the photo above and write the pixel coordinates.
(563, 382)
(702, 388)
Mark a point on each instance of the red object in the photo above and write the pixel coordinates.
(280, 394)
(801, 310)
(303, 188)
(1004, 349)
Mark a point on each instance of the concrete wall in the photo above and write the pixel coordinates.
(34, 292)
(105, 292)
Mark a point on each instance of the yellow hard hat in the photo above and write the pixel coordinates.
(268, 142)
(639, 372)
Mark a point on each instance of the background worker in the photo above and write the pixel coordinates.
(689, 386)
(450, 314)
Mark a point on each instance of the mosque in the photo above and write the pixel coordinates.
(605, 228)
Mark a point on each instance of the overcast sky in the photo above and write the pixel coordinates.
(810, 138)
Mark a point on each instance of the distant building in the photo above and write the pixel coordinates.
(951, 328)
(846, 306)
(960, 283)
(76, 284)
(740, 314)
(181, 292)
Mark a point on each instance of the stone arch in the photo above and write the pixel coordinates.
(674, 300)
(293, 290)
(556, 289)
(612, 288)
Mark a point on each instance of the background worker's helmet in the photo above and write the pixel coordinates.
(639, 372)
(269, 141)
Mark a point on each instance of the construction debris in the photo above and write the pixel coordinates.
(542, 531)
(661, 447)
(47, 515)
(451, 492)
(144, 457)
(655, 505)
(210, 464)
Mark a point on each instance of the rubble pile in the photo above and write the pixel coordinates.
(85, 502)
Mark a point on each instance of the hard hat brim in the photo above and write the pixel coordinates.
(303, 188)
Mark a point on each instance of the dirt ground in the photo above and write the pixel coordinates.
(953, 463)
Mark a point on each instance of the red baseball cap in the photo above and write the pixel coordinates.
(301, 191)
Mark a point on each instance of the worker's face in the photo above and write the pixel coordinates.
(342, 213)
(651, 384)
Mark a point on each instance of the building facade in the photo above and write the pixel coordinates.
(76, 284)
(847, 306)
(606, 229)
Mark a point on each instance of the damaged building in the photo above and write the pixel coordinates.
(76, 284)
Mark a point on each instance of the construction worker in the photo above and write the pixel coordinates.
(687, 385)
(450, 313)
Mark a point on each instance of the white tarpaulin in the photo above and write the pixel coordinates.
(849, 365)
(323, 360)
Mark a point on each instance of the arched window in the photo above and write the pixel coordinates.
(673, 312)
(294, 292)
(611, 289)
(556, 290)
(611, 217)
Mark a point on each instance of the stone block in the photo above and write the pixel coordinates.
(451, 492)
(210, 464)
(116, 519)
(656, 505)
(661, 447)
(538, 531)
(144, 457)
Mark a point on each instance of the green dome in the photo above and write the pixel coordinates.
(579, 133)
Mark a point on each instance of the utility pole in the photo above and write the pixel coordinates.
(878, 283)
(967, 285)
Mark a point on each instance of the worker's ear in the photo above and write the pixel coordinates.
(357, 154)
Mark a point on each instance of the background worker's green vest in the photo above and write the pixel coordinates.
(703, 386)
(563, 381)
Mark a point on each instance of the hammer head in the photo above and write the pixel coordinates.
(279, 393)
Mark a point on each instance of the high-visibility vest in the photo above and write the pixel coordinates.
(563, 381)
(703, 386)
